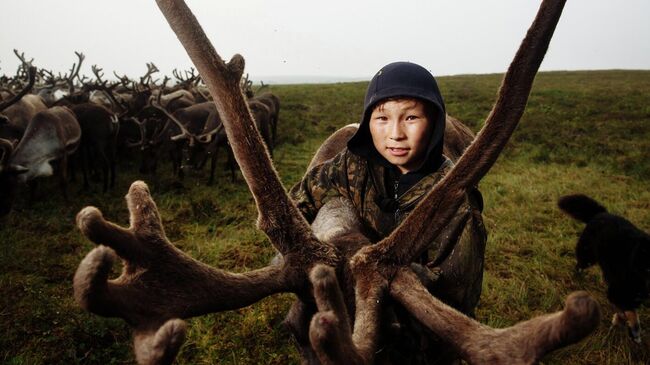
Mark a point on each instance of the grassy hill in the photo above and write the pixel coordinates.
(583, 132)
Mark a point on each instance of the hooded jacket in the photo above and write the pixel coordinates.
(383, 197)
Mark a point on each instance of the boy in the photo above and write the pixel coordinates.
(391, 162)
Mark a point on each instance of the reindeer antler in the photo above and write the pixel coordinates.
(146, 78)
(159, 283)
(102, 85)
(74, 71)
(24, 64)
(32, 78)
(524, 343)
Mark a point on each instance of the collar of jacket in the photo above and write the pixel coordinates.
(407, 200)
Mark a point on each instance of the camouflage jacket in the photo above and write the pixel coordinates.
(458, 251)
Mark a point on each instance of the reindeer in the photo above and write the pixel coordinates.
(53, 134)
(99, 128)
(160, 285)
(207, 147)
(273, 103)
(19, 109)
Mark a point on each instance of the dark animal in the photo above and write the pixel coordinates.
(99, 128)
(175, 286)
(620, 249)
(213, 138)
(180, 130)
(272, 101)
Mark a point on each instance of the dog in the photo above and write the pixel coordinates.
(621, 250)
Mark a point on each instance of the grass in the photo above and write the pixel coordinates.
(582, 132)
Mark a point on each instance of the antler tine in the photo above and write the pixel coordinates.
(74, 70)
(177, 75)
(164, 84)
(410, 239)
(21, 56)
(159, 345)
(47, 76)
(207, 136)
(151, 69)
(143, 133)
(108, 90)
(523, 343)
(330, 330)
(124, 80)
(98, 72)
(82, 79)
(262, 87)
(281, 221)
(184, 132)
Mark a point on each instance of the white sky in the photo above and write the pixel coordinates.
(339, 39)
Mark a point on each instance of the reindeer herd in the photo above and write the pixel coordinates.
(57, 124)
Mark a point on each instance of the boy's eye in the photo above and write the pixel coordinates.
(412, 117)
(381, 117)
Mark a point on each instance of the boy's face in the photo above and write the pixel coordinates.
(400, 131)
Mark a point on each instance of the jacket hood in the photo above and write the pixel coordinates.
(402, 79)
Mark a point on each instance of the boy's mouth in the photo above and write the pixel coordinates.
(397, 151)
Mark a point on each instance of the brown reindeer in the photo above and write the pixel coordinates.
(99, 128)
(272, 101)
(160, 285)
(214, 137)
(53, 134)
(177, 131)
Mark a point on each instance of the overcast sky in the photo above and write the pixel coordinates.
(339, 39)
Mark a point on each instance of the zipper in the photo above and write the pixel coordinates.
(395, 186)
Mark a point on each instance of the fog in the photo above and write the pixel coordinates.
(336, 40)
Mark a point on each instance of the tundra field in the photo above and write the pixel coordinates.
(586, 132)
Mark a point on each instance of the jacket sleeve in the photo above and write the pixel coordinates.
(320, 184)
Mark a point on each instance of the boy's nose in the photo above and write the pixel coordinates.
(396, 132)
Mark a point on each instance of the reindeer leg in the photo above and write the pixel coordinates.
(232, 164)
(63, 171)
(112, 163)
(105, 166)
(213, 164)
(84, 165)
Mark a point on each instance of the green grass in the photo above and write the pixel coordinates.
(582, 132)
